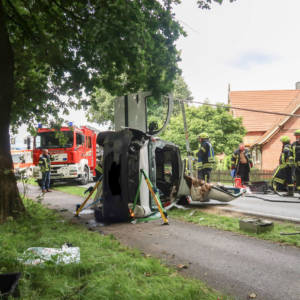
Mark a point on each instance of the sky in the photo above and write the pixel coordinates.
(249, 44)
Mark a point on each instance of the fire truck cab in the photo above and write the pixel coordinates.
(72, 151)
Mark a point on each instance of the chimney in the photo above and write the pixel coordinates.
(298, 85)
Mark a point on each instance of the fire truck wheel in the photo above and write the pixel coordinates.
(85, 177)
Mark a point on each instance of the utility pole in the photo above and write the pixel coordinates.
(188, 149)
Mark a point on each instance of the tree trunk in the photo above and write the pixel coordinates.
(10, 202)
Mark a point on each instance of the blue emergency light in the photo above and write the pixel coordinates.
(40, 125)
(70, 124)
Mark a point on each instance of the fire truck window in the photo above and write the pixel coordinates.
(88, 142)
(38, 141)
(51, 140)
(79, 139)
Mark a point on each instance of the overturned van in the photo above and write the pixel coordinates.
(125, 153)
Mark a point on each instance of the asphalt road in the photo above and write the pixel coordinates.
(274, 206)
(231, 263)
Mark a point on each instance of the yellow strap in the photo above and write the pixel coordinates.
(156, 201)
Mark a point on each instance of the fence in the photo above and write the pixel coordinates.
(255, 175)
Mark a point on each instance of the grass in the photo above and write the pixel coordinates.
(196, 216)
(71, 189)
(107, 270)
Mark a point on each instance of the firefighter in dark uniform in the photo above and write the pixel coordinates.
(295, 158)
(45, 166)
(283, 175)
(241, 162)
(206, 157)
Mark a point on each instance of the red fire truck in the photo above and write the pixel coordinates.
(72, 151)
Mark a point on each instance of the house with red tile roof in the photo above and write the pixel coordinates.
(264, 130)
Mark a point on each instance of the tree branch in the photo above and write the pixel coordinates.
(23, 23)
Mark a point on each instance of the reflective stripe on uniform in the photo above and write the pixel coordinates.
(279, 180)
(99, 169)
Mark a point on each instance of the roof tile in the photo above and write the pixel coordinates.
(273, 100)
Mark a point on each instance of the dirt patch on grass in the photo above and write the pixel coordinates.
(220, 212)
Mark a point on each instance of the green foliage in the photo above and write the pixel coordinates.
(107, 270)
(102, 109)
(225, 132)
(206, 4)
(68, 47)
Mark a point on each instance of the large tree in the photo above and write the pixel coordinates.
(50, 48)
(225, 131)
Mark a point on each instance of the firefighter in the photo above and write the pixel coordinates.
(241, 162)
(45, 165)
(295, 158)
(206, 158)
(283, 174)
(99, 168)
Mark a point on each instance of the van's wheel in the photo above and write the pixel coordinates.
(85, 177)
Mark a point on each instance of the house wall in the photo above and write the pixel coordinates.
(272, 149)
(252, 136)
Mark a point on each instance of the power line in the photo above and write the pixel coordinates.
(240, 108)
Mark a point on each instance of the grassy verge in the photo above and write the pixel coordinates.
(73, 190)
(196, 216)
(107, 270)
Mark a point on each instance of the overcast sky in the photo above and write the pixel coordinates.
(251, 44)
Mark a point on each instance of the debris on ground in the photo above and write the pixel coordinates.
(252, 296)
(255, 225)
(39, 255)
(182, 266)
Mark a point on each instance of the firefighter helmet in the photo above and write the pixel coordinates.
(203, 135)
(285, 139)
(297, 132)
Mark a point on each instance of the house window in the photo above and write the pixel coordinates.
(258, 156)
(254, 155)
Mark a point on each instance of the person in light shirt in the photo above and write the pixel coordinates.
(241, 162)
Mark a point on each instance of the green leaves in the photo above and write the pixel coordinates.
(225, 132)
(69, 47)
(206, 4)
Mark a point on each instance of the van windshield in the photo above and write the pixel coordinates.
(51, 139)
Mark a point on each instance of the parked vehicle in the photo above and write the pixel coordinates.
(23, 163)
(72, 150)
